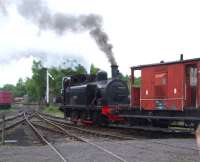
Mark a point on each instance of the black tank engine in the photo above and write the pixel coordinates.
(91, 98)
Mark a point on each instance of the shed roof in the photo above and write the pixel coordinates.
(165, 63)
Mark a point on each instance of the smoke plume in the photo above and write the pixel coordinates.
(6, 59)
(3, 7)
(39, 13)
(47, 59)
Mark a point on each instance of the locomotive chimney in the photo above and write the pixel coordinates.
(115, 71)
(181, 57)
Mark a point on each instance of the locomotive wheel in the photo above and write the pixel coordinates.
(83, 116)
(99, 119)
(95, 118)
(104, 120)
(74, 117)
(66, 113)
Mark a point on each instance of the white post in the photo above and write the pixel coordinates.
(47, 87)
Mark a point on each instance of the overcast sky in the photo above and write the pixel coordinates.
(141, 31)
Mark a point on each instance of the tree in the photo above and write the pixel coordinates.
(94, 70)
(137, 82)
(31, 90)
(79, 69)
(9, 87)
(20, 89)
(59, 73)
(36, 86)
(56, 84)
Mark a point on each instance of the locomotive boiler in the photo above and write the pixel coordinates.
(91, 98)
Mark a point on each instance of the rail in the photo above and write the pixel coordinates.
(98, 133)
(11, 118)
(147, 129)
(83, 140)
(42, 138)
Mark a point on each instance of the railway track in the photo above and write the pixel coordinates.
(66, 132)
(89, 130)
(43, 139)
(10, 122)
(44, 123)
(148, 132)
(57, 128)
(69, 125)
(13, 125)
(10, 118)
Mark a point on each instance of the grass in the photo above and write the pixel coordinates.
(6, 110)
(182, 161)
(53, 110)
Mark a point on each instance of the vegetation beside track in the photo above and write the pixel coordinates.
(7, 109)
(53, 110)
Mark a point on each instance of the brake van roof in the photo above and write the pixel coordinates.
(165, 63)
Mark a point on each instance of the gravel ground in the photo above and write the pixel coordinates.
(142, 150)
(23, 135)
(171, 150)
(17, 109)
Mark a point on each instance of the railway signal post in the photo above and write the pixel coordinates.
(47, 85)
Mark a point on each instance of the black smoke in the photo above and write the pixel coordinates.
(38, 12)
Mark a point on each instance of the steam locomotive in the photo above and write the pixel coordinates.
(91, 98)
(169, 94)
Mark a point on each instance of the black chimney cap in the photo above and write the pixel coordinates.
(114, 71)
(181, 57)
(114, 65)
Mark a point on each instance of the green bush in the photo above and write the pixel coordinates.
(53, 110)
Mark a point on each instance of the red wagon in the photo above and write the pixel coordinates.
(5, 99)
(168, 86)
(169, 91)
